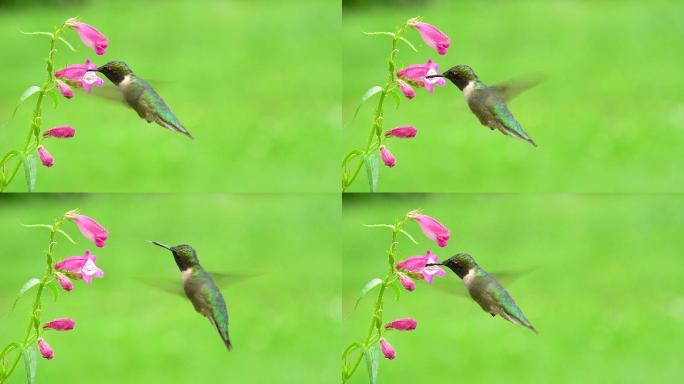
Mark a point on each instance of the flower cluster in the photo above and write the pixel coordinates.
(75, 76)
(417, 75)
(77, 268)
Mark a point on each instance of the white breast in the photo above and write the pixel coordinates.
(468, 90)
(186, 274)
(125, 82)
(468, 278)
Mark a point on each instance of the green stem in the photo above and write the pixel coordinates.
(376, 319)
(378, 117)
(34, 130)
(34, 321)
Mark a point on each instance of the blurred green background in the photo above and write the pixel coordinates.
(256, 82)
(609, 117)
(605, 288)
(284, 321)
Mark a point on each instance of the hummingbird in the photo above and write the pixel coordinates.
(486, 290)
(200, 288)
(140, 96)
(488, 103)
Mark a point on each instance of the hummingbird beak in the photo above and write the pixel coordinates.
(433, 76)
(431, 264)
(160, 244)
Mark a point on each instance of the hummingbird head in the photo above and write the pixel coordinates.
(184, 254)
(115, 71)
(460, 264)
(460, 75)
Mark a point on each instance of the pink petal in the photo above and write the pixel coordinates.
(64, 89)
(45, 349)
(90, 229)
(407, 282)
(62, 132)
(433, 37)
(433, 229)
(64, 281)
(405, 324)
(45, 157)
(403, 132)
(406, 90)
(387, 157)
(413, 264)
(91, 37)
(63, 324)
(387, 349)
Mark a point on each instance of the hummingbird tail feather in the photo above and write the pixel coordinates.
(223, 334)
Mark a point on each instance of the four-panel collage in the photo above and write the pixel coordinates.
(355, 191)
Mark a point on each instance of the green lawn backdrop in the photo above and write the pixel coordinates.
(284, 319)
(604, 288)
(609, 117)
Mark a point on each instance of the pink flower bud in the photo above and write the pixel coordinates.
(387, 157)
(406, 324)
(89, 228)
(45, 157)
(90, 36)
(387, 349)
(407, 90)
(64, 281)
(63, 324)
(432, 36)
(45, 349)
(64, 89)
(403, 132)
(432, 228)
(406, 282)
(60, 132)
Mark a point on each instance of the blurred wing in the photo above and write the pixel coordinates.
(175, 286)
(507, 90)
(110, 92)
(224, 279)
(457, 288)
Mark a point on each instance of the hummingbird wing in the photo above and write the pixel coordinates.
(507, 276)
(175, 287)
(151, 107)
(509, 89)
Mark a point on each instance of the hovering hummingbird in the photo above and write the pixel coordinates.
(485, 290)
(201, 289)
(488, 103)
(140, 96)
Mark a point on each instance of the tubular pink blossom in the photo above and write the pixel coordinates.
(403, 132)
(406, 282)
(90, 229)
(63, 324)
(405, 324)
(45, 157)
(413, 264)
(432, 36)
(90, 36)
(45, 349)
(64, 89)
(64, 281)
(81, 267)
(75, 72)
(387, 157)
(417, 265)
(432, 228)
(90, 79)
(387, 349)
(430, 271)
(406, 90)
(60, 132)
(417, 73)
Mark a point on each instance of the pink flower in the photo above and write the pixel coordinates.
(45, 157)
(61, 132)
(63, 324)
(406, 282)
(90, 36)
(432, 228)
(387, 349)
(406, 90)
(432, 36)
(403, 132)
(90, 79)
(417, 73)
(418, 266)
(45, 349)
(64, 281)
(89, 228)
(387, 157)
(81, 267)
(75, 72)
(405, 324)
(64, 89)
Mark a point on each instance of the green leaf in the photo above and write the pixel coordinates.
(27, 285)
(379, 33)
(67, 236)
(67, 44)
(38, 33)
(371, 355)
(54, 97)
(397, 98)
(396, 289)
(9, 348)
(372, 170)
(405, 40)
(29, 355)
(30, 91)
(409, 236)
(374, 90)
(367, 288)
(29, 170)
(390, 226)
(55, 291)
